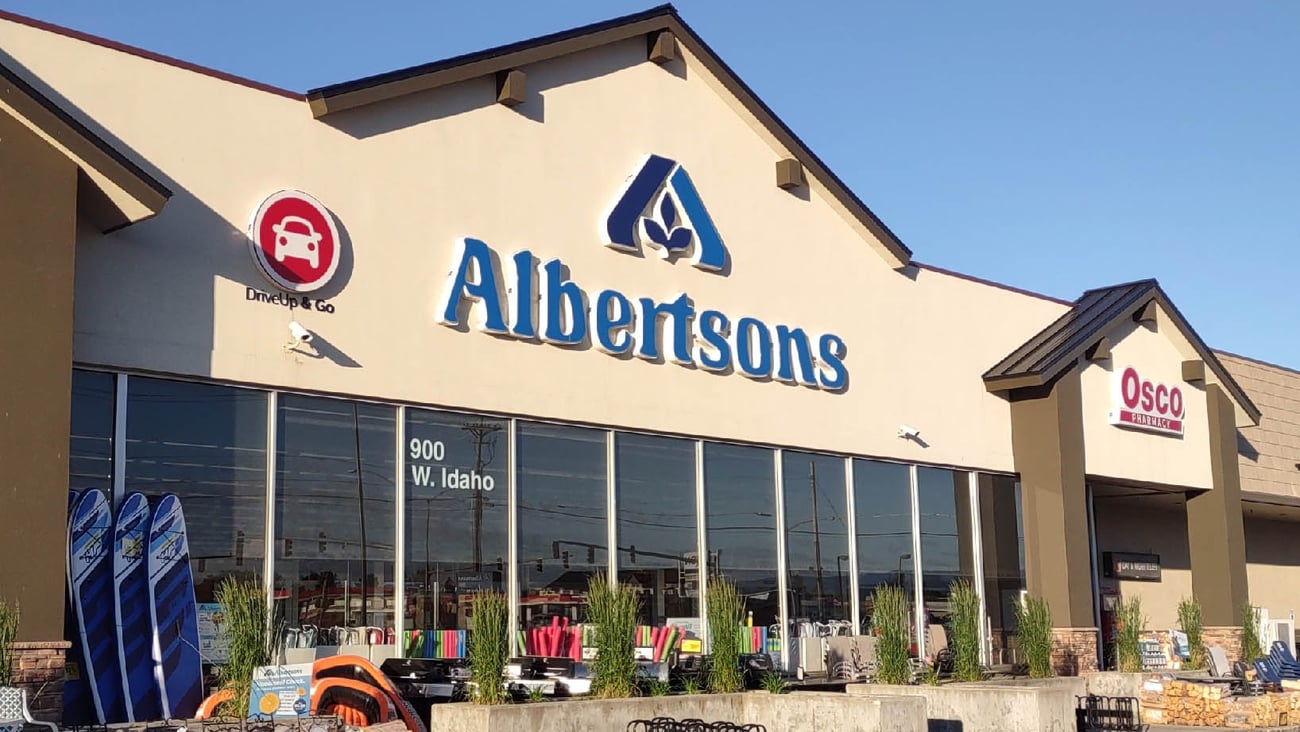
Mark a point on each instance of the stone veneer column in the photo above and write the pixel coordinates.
(1074, 651)
(1216, 536)
(39, 668)
(1047, 443)
(1228, 637)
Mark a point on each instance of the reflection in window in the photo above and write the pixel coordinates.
(882, 499)
(655, 484)
(563, 534)
(207, 444)
(335, 471)
(740, 496)
(90, 448)
(1003, 545)
(816, 536)
(456, 515)
(943, 502)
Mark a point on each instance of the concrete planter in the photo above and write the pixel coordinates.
(877, 713)
(1045, 705)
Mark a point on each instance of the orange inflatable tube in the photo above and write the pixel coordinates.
(208, 708)
(351, 699)
(363, 671)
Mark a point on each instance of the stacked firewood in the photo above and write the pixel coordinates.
(1167, 701)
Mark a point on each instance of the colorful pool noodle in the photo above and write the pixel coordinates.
(668, 642)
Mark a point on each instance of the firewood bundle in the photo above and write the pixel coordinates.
(1167, 701)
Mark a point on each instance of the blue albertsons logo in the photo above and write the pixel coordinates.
(658, 189)
(659, 209)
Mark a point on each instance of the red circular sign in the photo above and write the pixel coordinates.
(294, 240)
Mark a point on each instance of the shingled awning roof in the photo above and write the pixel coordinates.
(1060, 345)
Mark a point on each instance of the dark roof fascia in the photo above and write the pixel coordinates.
(999, 376)
(1211, 359)
(53, 120)
(328, 96)
(352, 94)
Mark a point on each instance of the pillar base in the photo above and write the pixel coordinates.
(39, 668)
(1074, 651)
(1227, 636)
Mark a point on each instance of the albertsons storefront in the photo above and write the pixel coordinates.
(510, 320)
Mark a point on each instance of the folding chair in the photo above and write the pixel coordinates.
(1265, 671)
(1286, 669)
(14, 712)
(1280, 652)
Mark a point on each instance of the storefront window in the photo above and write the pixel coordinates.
(657, 540)
(943, 501)
(1003, 537)
(206, 444)
(90, 449)
(563, 533)
(882, 500)
(816, 536)
(456, 516)
(740, 496)
(335, 474)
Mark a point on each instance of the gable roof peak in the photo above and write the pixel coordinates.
(1058, 347)
(328, 100)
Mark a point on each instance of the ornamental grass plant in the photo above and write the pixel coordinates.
(1252, 647)
(612, 608)
(1128, 635)
(1034, 620)
(965, 631)
(1189, 621)
(726, 611)
(9, 616)
(892, 621)
(252, 635)
(488, 648)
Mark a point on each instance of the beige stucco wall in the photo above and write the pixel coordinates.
(1273, 564)
(1122, 452)
(407, 178)
(1134, 524)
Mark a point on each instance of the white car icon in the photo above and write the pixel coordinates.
(302, 242)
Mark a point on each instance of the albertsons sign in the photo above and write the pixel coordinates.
(659, 210)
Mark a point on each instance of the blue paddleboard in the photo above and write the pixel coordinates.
(78, 702)
(90, 577)
(134, 622)
(178, 668)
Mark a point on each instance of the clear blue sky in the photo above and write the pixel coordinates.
(1050, 146)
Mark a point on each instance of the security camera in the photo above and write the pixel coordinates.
(299, 333)
(908, 433)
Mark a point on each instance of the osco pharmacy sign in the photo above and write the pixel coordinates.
(659, 209)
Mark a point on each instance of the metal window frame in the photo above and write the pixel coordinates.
(121, 386)
(918, 592)
(701, 544)
(782, 568)
(851, 506)
(611, 506)
(272, 440)
(512, 530)
(977, 559)
(399, 532)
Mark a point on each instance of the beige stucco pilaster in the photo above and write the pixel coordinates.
(1047, 443)
(38, 199)
(1216, 539)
